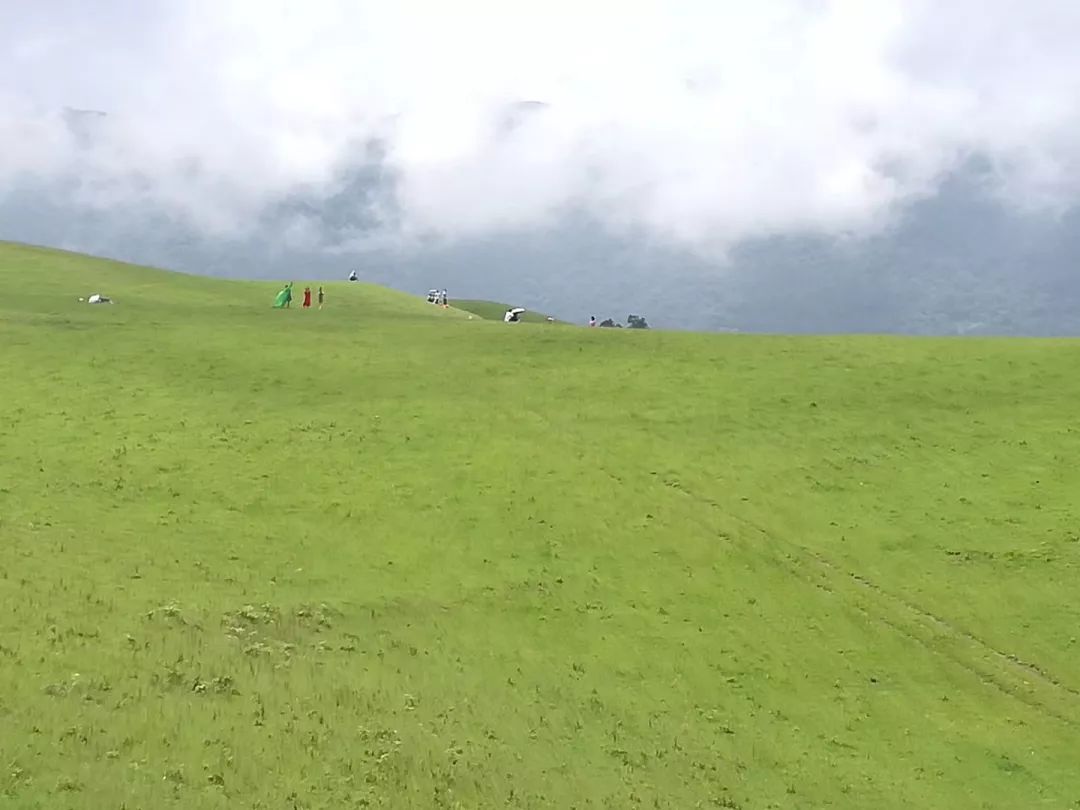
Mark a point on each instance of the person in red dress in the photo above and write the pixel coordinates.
(307, 297)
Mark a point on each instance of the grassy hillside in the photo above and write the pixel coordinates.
(494, 311)
(384, 556)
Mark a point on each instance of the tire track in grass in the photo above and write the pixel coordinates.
(1009, 659)
(1003, 671)
(1021, 680)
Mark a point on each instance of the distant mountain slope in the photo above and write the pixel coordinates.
(957, 263)
(494, 311)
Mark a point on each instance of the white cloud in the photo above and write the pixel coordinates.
(697, 121)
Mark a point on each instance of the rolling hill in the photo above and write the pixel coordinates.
(382, 555)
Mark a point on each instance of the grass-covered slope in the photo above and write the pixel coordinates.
(384, 556)
(494, 311)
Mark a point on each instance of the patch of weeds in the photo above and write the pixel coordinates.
(174, 676)
(623, 756)
(250, 620)
(91, 689)
(257, 648)
(1009, 766)
(79, 734)
(68, 785)
(1042, 554)
(267, 631)
(264, 614)
(715, 717)
(255, 627)
(167, 612)
(17, 777)
(378, 748)
(221, 685)
(319, 616)
(971, 555)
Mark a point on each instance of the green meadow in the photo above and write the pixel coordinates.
(386, 556)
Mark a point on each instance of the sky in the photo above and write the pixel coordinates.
(695, 123)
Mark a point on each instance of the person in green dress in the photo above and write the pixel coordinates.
(284, 298)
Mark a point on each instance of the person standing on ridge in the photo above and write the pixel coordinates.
(307, 297)
(320, 296)
(592, 320)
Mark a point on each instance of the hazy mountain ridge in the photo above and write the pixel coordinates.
(956, 263)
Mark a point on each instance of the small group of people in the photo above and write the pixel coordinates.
(285, 297)
(438, 298)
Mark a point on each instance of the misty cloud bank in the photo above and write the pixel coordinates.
(696, 124)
